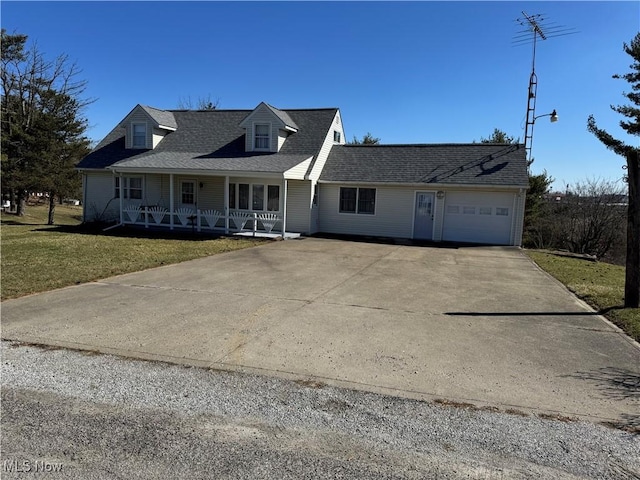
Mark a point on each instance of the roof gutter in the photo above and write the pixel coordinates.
(425, 185)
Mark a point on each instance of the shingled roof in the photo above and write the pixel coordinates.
(463, 164)
(214, 140)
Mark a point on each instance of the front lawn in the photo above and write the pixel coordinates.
(37, 257)
(599, 284)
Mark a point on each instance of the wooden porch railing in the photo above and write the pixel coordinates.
(156, 216)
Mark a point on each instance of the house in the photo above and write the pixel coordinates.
(290, 172)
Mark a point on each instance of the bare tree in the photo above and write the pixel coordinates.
(592, 218)
(203, 103)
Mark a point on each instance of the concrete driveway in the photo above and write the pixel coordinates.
(478, 325)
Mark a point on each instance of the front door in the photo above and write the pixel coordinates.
(423, 216)
(188, 194)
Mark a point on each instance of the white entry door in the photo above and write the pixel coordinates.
(188, 194)
(423, 216)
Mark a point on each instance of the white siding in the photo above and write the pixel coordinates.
(393, 215)
(137, 116)
(298, 172)
(314, 220)
(99, 197)
(326, 147)
(263, 115)
(298, 205)
(158, 135)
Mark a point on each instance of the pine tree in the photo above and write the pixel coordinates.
(632, 155)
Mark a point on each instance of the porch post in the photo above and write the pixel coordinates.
(226, 205)
(171, 201)
(284, 211)
(120, 192)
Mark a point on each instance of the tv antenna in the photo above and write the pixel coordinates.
(536, 27)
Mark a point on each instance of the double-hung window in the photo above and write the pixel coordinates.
(139, 137)
(262, 136)
(188, 192)
(357, 200)
(132, 188)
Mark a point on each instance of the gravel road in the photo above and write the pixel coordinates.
(99, 416)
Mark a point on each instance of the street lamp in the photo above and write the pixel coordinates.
(528, 135)
(553, 115)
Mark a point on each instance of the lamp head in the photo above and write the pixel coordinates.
(554, 116)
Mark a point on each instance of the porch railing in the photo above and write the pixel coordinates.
(199, 220)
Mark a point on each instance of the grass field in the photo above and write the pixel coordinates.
(37, 257)
(599, 284)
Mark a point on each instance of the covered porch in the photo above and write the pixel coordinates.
(229, 204)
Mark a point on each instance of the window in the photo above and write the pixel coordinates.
(484, 210)
(132, 188)
(453, 209)
(273, 202)
(357, 200)
(258, 197)
(232, 195)
(242, 195)
(502, 211)
(336, 136)
(367, 200)
(262, 137)
(469, 210)
(348, 200)
(188, 193)
(139, 135)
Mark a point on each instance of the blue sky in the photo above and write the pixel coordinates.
(408, 72)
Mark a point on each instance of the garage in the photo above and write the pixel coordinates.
(478, 217)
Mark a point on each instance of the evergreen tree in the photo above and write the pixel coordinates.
(632, 155)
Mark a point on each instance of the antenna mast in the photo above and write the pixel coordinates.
(535, 29)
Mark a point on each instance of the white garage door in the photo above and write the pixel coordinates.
(478, 217)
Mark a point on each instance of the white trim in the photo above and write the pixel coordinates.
(166, 127)
(375, 204)
(253, 136)
(171, 201)
(133, 135)
(195, 192)
(429, 186)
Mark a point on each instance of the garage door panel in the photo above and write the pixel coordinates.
(478, 217)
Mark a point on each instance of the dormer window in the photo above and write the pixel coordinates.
(139, 137)
(262, 136)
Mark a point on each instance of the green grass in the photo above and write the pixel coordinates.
(599, 284)
(37, 257)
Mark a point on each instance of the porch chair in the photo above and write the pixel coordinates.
(268, 221)
(157, 213)
(133, 212)
(184, 214)
(240, 219)
(212, 217)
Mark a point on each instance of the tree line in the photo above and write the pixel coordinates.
(43, 123)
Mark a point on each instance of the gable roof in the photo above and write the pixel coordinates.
(463, 164)
(214, 140)
(163, 118)
(284, 116)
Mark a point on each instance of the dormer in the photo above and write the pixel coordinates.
(146, 126)
(267, 128)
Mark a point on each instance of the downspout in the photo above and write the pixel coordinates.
(171, 201)
(120, 194)
(284, 212)
(226, 205)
